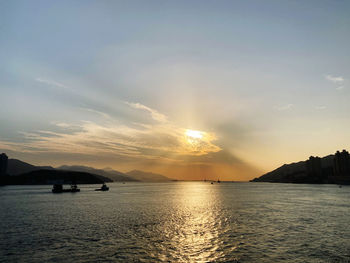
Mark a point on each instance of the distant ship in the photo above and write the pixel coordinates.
(104, 187)
(58, 188)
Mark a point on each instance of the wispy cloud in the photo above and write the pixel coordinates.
(284, 107)
(51, 83)
(61, 124)
(103, 114)
(334, 79)
(160, 141)
(154, 113)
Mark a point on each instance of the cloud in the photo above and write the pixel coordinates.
(159, 141)
(61, 124)
(337, 80)
(52, 83)
(103, 114)
(155, 114)
(284, 107)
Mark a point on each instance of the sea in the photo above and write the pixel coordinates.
(176, 222)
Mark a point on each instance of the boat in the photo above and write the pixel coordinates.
(104, 187)
(218, 181)
(58, 188)
(74, 188)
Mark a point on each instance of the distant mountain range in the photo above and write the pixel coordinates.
(334, 168)
(134, 175)
(114, 175)
(16, 167)
(24, 173)
(147, 177)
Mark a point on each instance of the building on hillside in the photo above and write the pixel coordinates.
(314, 166)
(341, 164)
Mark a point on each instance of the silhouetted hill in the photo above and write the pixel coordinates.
(147, 176)
(52, 176)
(283, 173)
(15, 167)
(315, 170)
(24, 173)
(114, 175)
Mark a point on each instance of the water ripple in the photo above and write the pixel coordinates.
(177, 222)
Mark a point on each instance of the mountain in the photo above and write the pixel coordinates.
(16, 167)
(26, 172)
(334, 168)
(114, 175)
(147, 176)
(283, 173)
(52, 176)
(117, 176)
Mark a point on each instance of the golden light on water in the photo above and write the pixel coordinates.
(198, 224)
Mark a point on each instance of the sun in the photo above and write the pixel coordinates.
(198, 142)
(194, 134)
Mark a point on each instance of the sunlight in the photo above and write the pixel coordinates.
(198, 224)
(194, 134)
(198, 142)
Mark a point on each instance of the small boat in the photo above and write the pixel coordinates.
(211, 182)
(58, 188)
(104, 187)
(74, 188)
(218, 181)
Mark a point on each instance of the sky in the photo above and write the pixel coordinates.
(189, 89)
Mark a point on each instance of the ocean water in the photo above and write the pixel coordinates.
(176, 222)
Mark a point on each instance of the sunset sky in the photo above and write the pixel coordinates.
(189, 89)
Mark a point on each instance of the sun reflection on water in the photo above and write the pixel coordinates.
(196, 237)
